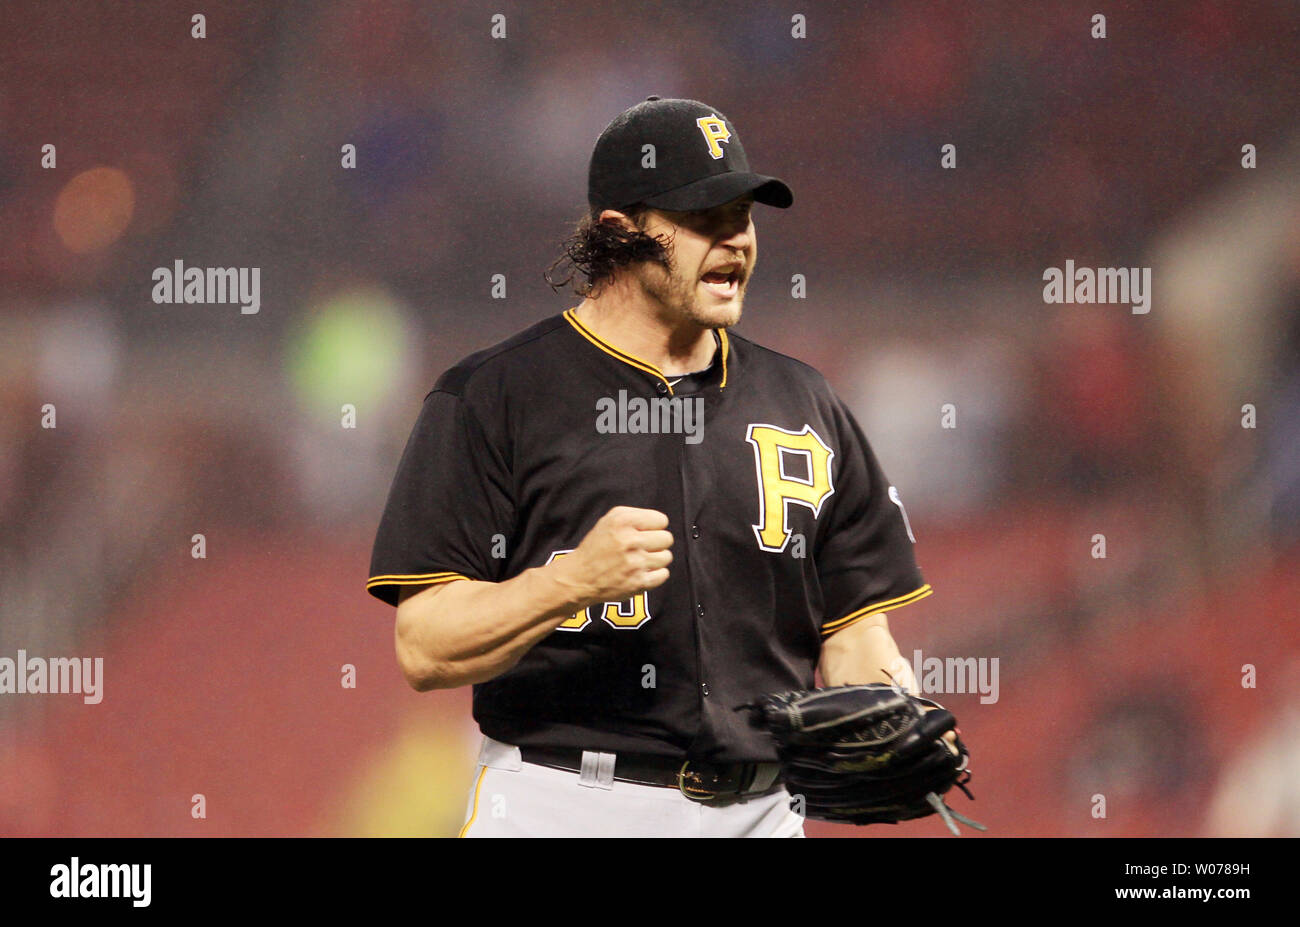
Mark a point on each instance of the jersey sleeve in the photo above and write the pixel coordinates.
(449, 506)
(866, 564)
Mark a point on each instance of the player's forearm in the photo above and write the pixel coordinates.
(468, 632)
(863, 653)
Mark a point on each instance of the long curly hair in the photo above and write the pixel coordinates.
(596, 249)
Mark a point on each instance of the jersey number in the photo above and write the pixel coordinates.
(626, 615)
(777, 491)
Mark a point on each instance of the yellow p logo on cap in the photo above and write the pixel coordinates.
(715, 131)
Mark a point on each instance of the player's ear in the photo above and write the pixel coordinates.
(617, 218)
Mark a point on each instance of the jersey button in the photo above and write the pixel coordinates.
(704, 687)
(695, 531)
(661, 387)
(699, 610)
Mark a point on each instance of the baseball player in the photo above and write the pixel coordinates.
(625, 523)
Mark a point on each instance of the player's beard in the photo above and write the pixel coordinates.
(680, 296)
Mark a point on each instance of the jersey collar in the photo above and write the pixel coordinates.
(634, 361)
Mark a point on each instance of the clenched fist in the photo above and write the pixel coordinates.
(624, 553)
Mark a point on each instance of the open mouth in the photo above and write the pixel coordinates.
(724, 283)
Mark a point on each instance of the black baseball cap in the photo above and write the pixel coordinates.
(699, 162)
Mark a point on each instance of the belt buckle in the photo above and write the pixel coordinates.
(693, 790)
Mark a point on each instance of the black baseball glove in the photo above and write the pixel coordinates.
(866, 754)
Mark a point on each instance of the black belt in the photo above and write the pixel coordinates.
(696, 780)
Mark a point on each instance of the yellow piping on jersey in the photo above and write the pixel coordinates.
(839, 624)
(413, 579)
(615, 352)
(722, 337)
(634, 361)
(473, 814)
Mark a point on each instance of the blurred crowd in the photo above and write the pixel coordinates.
(924, 284)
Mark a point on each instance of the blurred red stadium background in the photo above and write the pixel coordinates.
(1119, 677)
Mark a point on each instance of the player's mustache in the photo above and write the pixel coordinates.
(738, 264)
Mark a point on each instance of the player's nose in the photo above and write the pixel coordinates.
(738, 236)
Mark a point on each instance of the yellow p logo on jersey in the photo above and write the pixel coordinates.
(777, 490)
(715, 131)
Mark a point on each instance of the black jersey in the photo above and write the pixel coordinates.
(785, 531)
